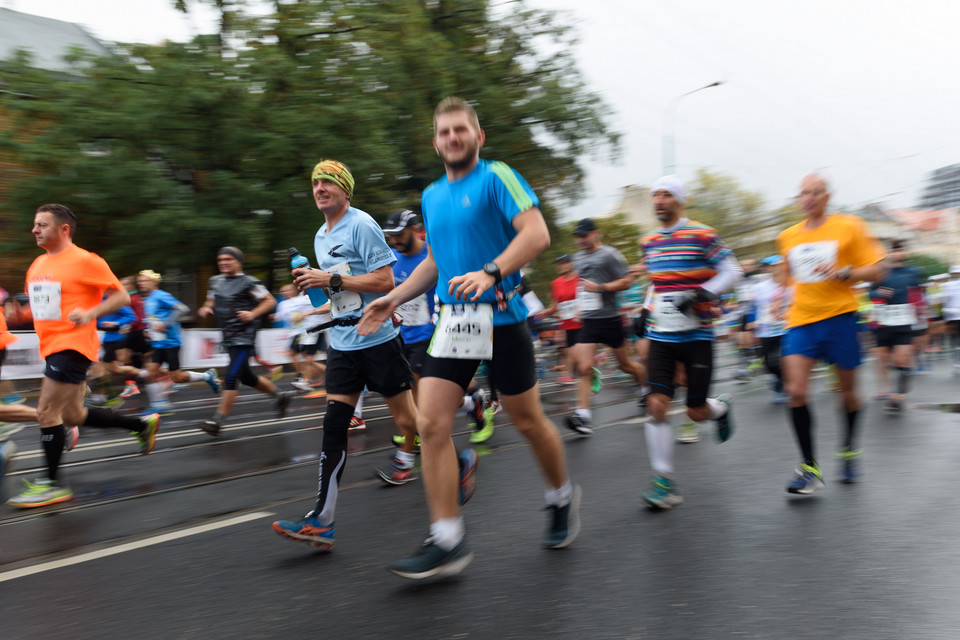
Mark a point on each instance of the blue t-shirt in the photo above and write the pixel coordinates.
(422, 307)
(357, 240)
(468, 224)
(121, 317)
(161, 306)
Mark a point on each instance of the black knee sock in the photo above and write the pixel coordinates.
(333, 458)
(851, 429)
(97, 417)
(903, 382)
(803, 427)
(53, 439)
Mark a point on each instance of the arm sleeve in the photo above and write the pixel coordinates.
(729, 273)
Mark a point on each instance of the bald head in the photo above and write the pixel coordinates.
(814, 195)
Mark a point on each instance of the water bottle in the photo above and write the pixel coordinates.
(317, 296)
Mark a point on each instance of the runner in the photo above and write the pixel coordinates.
(354, 267)
(163, 312)
(239, 301)
(603, 272)
(895, 319)
(950, 295)
(825, 255)
(297, 312)
(771, 299)
(483, 223)
(563, 304)
(689, 268)
(66, 287)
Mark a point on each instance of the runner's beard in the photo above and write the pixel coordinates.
(464, 161)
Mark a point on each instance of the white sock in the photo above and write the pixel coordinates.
(154, 392)
(447, 532)
(406, 458)
(717, 408)
(143, 374)
(195, 376)
(660, 447)
(559, 497)
(468, 404)
(358, 410)
(586, 414)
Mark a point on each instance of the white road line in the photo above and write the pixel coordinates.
(129, 546)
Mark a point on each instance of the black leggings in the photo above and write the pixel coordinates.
(239, 368)
(770, 349)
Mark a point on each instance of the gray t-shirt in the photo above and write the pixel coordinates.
(231, 294)
(603, 265)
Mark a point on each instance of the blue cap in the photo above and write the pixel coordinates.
(771, 260)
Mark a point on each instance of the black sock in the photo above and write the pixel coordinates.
(903, 382)
(803, 427)
(53, 439)
(97, 417)
(851, 429)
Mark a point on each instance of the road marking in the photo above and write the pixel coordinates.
(130, 546)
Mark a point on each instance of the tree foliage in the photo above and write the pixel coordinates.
(167, 152)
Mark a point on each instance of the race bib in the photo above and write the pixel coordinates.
(567, 310)
(416, 312)
(45, 301)
(895, 315)
(805, 258)
(154, 334)
(343, 302)
(464, 331)
(668, 319)
(589, 301)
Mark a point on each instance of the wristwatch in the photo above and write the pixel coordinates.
(491, 269)
(844, 273)
(336, 281)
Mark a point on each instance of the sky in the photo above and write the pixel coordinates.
(864, 92)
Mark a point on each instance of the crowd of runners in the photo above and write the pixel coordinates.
(412, 310)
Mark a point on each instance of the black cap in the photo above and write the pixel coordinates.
(584, 227)
(565, 258)
(398, 221)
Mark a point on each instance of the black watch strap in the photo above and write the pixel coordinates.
(492, 269)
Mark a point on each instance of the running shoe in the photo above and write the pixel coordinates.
(566, 379)
(163, 408)
(483, 433)
(688, 433)
(212, 379)
(308, 530)
(357, 424)
(780, 397)
(7, 450)
(661, 494)
(432, 561)
(282, 401)
(8, 429)
(596, 380)
(212, 426)
(399, 440)
(131, 389)
(849, 467)
(581, 425)
(642, 404)
(41, 493)
(13, 398)
(893, 405)
(101, 400)
(275, 373)
(148, 437)
(468, 462)
(395, 473)
(725, 422)
(318, 393)
(563, 523)
(807, 479)
(73, 437)
(301, 385)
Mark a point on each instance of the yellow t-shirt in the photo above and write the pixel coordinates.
(841, 241)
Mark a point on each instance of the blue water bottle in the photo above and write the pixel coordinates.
(317, 296)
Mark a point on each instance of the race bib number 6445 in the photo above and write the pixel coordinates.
(464, 332)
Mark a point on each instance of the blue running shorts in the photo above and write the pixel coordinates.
(833, 340)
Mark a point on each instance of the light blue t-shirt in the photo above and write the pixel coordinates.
(161, 305)
(469, 223)
(358, 240)
(423, 303)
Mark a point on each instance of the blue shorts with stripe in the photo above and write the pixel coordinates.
(833, 340)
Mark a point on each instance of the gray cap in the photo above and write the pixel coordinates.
(398, 221)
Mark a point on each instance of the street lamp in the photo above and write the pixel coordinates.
(669, 162)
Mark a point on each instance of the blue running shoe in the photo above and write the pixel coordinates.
(807, 480)
(212, 380)
(849, 468)
(13, 398)
(468, 474)
(725, 422)
(432, 561)
(308, 530)
(563, 523)
(661, 495)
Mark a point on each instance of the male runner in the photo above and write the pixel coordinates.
(563, 304)
(239, 301)
(66, 287)
(483, 223)
(771, 299)
(297, 312)
(603, 272)
(689, 268)
(826, 254)
(354, 267)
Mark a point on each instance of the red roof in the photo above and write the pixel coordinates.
(918, 220)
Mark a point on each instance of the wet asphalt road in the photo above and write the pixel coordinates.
(178, 544)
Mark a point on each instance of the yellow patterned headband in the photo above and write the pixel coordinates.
(335, 171)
